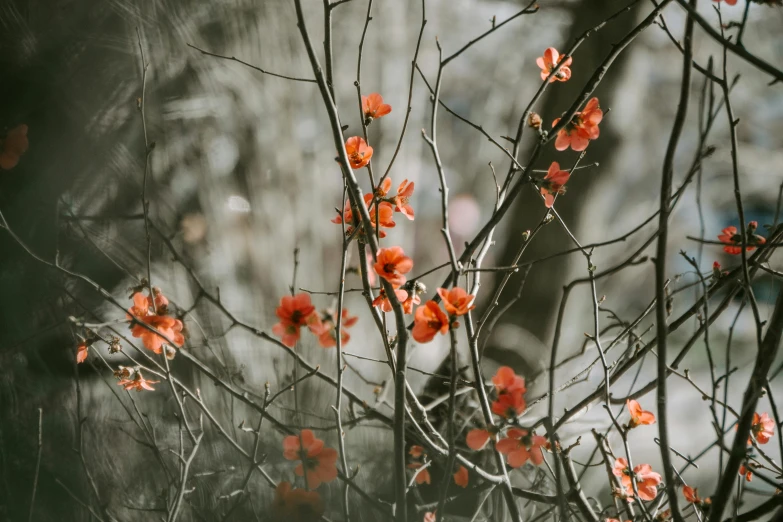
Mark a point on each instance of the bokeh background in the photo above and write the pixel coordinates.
(243, 173)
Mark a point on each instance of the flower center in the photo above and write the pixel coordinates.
(310, 462)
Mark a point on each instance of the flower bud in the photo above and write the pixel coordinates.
(534, 120)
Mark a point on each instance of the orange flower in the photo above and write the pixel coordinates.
(391, 264)
(370, 273)
(383, 301)
(140, 308)
(763, 428)
(733, 240)
(346, 214)
(383, 189)
(582, 128)
(505, 380)
(461, 477)
(359, 153)
(124, 372)
(81, 353)
(456, 301)
(407, 304)
(137, 383)
(521, 446)
(428, 321)
(13, 146)
(638, 415)
(478, 438)
(327, 331)
(374, 108)
(318, 460)
(170, 329)
(416, 452)
(160, 301)
(423, 476)
(509, 404)
(383, 217)
(746, 472)
(646, 479)
(295, 312)
(296, 505)
(404, 191)
(553, 183)
(692, 496)
(549, 61)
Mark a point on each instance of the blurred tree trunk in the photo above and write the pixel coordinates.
(536, 310)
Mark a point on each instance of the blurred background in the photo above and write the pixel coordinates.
(243, 173)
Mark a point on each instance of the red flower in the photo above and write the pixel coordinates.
(137, 383)
(430, 516)
(582, 128)
(509, 404)
(327, 331)
(729, 2)
(370, 273)
(391, 264)
(383, 301)
(296, 505)
(160, 301)
(506, 381)
(478, 438)
(140, 308)
(316, 459)
(383, 217)
(428, 321)
(763, 428)
(359, 153)
(461, 477)
(170, 329)
(733, 240)
(638, 415)
(718, 272)
(456, 301)
(81, 353)
(646, 479)
(295, 312)
(383, 189)
(553, 183)
(404, 191)
(692, 496)
(746, 472)
(423, 476)
(13, 146)
(373, 107)
(521, 446)
(412, 299)
(549, 61)
(346, 214)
